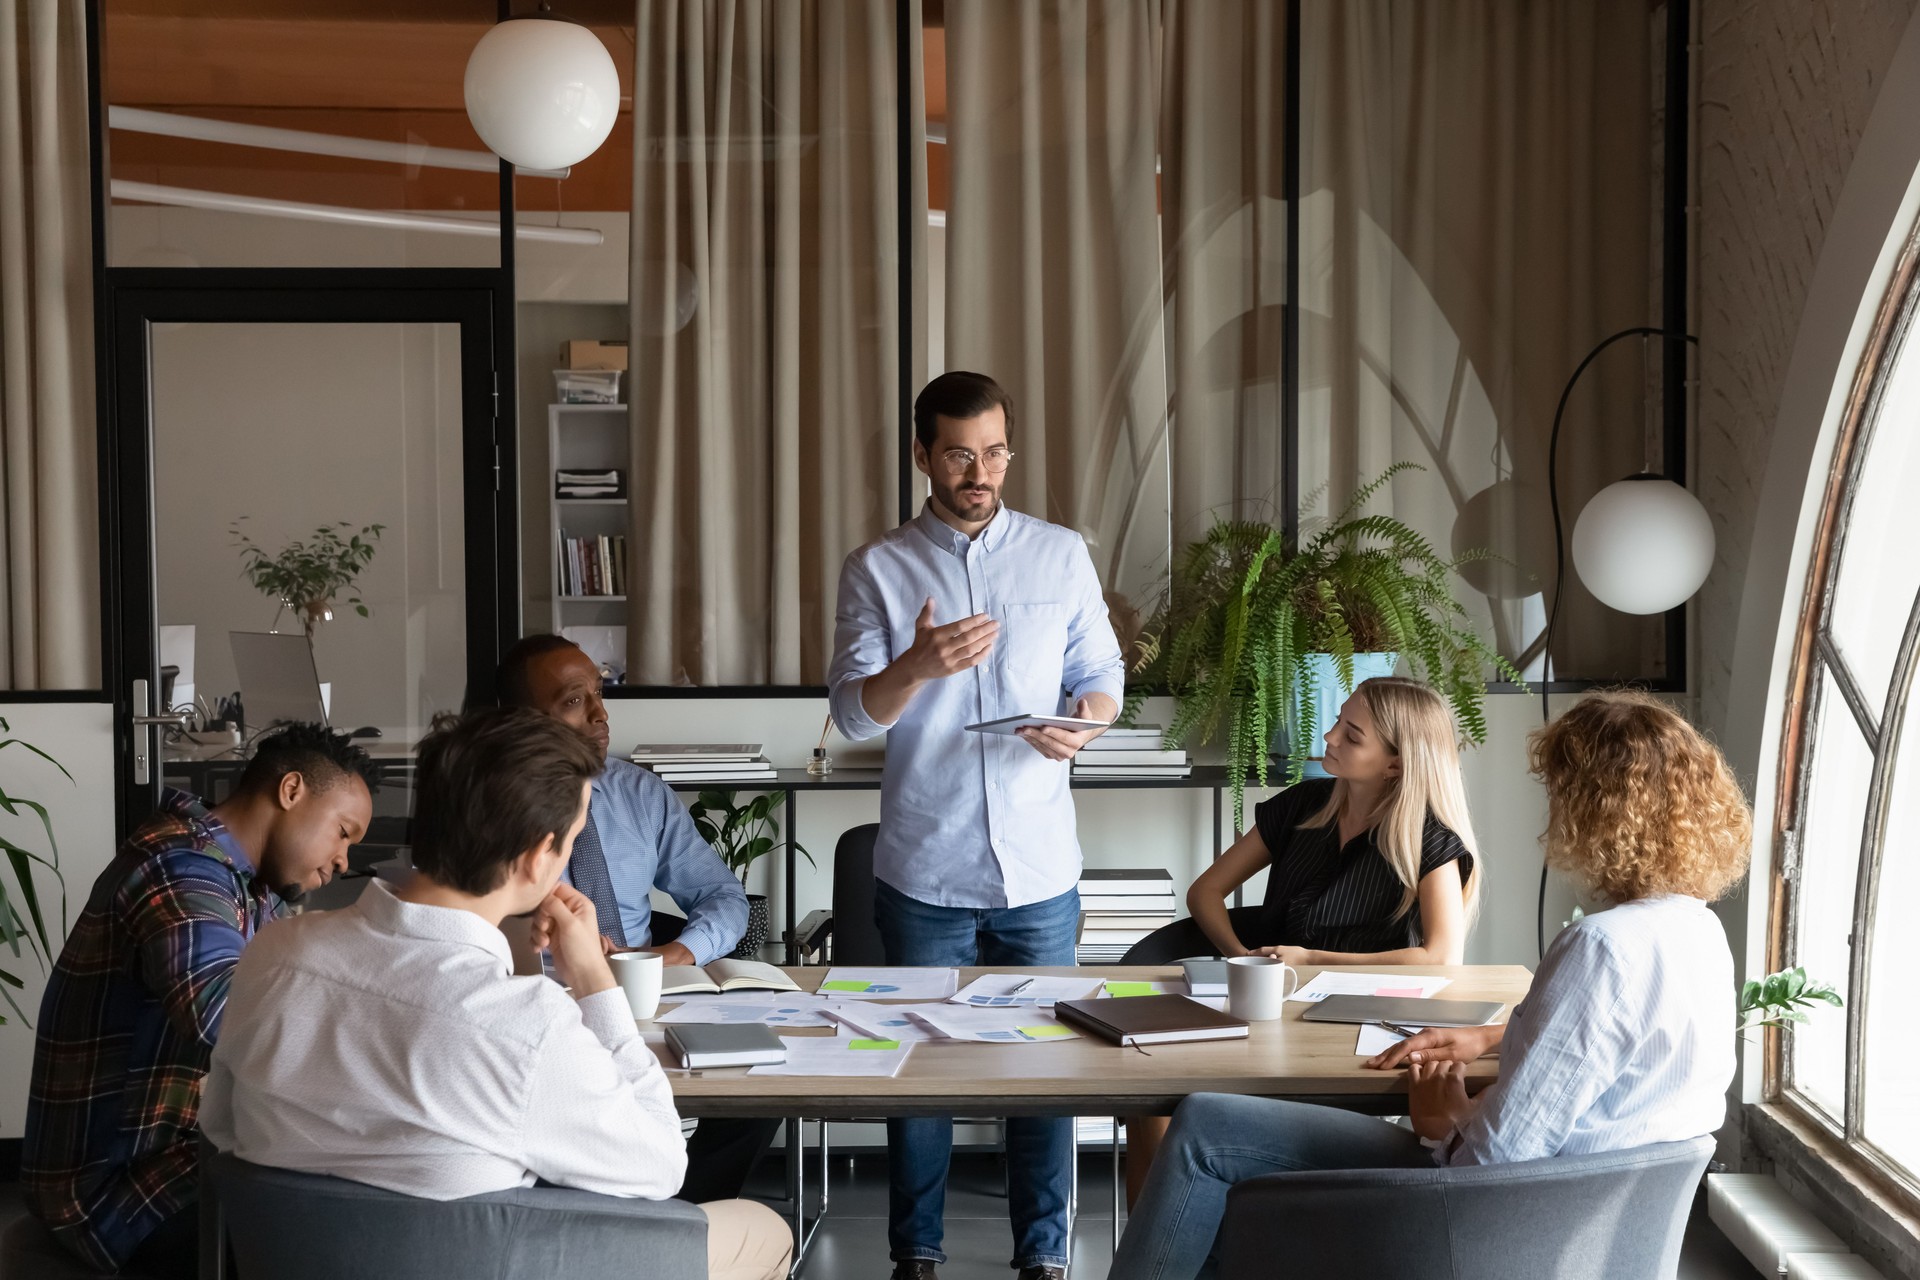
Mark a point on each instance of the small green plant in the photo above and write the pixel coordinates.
(13, 928)
(1245, 611)
(741, 834)
(1782, 999)
(308, 573)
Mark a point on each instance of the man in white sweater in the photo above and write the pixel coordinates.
(390, 1043)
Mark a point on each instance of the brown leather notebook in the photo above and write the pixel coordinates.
(1150, 1020)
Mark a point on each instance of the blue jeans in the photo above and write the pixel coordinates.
(1039, 1150)
(1218, 1139)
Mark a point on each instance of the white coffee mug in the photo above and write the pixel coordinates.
(638, 973)
(1258, 987)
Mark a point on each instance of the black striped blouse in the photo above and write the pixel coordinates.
(1328, 898)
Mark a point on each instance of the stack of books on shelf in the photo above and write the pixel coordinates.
(705, 762)
(1130, 753)
(1120, 907)
(593, 566)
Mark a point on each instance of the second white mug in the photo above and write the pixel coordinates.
(1258, 987)
(639, 973)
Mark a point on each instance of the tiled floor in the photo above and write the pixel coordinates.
(852, 1242)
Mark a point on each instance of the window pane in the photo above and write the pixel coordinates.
(1879, 575)
(1891, 1107)
(1829, 861)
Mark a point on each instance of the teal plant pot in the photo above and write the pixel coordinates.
(1329, 693)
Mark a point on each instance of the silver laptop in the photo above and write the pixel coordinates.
(277, 677)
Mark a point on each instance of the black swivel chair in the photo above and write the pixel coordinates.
(855, 938)
(1182, 940)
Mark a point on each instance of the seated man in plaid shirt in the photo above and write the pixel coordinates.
(134, 1003)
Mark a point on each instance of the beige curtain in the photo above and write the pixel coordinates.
(1478, 201)
(49, 581)
(1223, 133)
(765, 428)
(1053, 261)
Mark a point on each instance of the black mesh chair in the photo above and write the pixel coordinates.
(855, 939)
(1182, 940)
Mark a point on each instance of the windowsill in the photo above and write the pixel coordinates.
(1876, 1220)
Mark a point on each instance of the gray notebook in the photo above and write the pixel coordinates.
(1406, 1010)
(1206, 977)
(743, 1045)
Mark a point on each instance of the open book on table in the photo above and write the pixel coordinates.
(724, 975)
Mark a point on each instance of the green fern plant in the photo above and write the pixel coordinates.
(15, 929)
(1244, 611)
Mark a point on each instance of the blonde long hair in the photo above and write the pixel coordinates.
(1416, 725)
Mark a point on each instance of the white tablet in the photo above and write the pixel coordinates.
(1072, 724)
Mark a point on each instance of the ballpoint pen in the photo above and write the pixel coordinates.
(1021, 987)
(1397, 1029)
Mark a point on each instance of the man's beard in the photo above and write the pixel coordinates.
(959, 502)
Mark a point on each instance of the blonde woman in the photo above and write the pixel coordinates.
(1624, 1041)
(1375, 864)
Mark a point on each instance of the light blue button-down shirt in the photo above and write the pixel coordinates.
(972, 819)
(1627, 1038)
(650, 841)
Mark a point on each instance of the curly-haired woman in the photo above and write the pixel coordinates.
(1625, 1039)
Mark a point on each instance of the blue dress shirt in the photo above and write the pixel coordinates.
(969, 819)
(650, 842)
(1626, 1038)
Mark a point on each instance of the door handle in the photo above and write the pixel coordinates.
(178, 720)
(142, 722)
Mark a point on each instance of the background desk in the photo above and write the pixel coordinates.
(204, 769)
(1287, 1058)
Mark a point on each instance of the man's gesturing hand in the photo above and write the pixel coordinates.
(948, 649)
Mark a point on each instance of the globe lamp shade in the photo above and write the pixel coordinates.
(1643, 545)
(542, 92)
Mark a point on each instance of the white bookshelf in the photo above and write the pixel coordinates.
(587, 437)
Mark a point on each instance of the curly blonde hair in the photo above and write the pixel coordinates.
(1638, 802)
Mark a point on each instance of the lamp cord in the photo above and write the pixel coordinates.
(1560, 561)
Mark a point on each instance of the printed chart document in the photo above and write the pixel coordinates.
(889, 984)
(734, 1010)
(1011, 991)
(880, 1021)
(993, 1026)
(1325, 984)
(842, 1055)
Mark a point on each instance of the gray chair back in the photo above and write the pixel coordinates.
(856, 938)
(298, 1226)
(1621, 1213)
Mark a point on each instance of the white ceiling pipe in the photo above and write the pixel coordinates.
(141, 120)
(186, 198)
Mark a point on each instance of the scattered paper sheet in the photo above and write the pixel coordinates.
(841, 1055)
(1326, 984)
(889, 984)
(1018, 1025)
(996, 991)
(783, 1014)
(880, 1021)
(1375, 1038)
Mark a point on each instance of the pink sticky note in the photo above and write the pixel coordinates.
(1411, 993)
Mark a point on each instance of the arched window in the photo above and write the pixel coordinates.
(1849, 863)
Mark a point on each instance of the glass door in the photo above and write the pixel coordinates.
(315, 532)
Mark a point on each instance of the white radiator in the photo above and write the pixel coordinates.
(1830, 1266)
(1765, 1223)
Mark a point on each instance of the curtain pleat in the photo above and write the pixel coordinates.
(49, 537)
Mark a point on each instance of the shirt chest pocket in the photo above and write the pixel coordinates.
(1031, 653)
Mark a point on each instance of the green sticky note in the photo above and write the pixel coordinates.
(1048, 1032)
(843, 985)
(1129, 988)
(873, 1044)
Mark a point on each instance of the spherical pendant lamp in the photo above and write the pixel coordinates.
(1643, 545)
(542, 92)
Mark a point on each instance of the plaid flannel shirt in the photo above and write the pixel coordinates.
(127, 1027)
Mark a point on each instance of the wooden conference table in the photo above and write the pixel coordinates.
(1287, 1058)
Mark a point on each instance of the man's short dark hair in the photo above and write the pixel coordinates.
(510, 680)
(313, 751)
(956, 394)
(492, 785)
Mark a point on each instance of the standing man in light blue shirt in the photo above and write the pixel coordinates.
(639, 837)
(971, 612)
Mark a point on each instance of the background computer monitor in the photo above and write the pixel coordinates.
(277, 677)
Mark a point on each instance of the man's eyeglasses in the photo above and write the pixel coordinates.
(960, 461)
